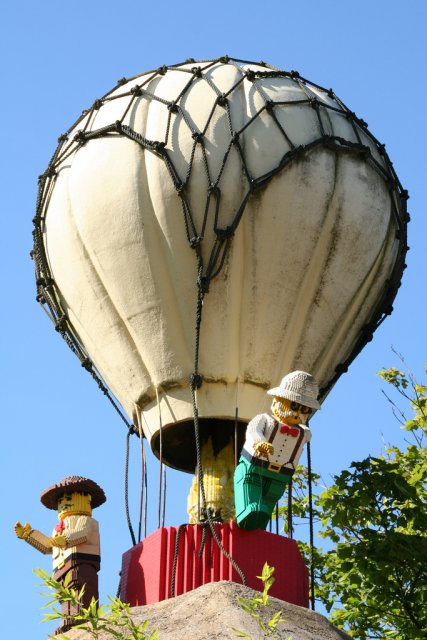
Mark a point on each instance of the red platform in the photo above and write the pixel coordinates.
(147, 567)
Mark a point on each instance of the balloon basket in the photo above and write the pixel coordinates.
(159, 567)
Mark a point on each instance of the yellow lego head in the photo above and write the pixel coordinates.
(74, 504)
(290, 412)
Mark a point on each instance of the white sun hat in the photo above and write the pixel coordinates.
(300, 387)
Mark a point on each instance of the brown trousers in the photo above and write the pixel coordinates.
(79, 574)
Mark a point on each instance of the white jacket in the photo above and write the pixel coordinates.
(288, 442)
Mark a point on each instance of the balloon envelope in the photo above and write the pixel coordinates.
(247, 186)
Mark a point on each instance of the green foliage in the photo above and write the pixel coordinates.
(114, 619)
(374, 579)
(257, 608)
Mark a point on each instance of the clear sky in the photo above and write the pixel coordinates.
(56, 59)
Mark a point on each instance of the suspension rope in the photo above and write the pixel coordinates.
(236, 425)
(143, 491)
(162, 478)
(310, 507)
(164, 496)
(175, 558)
(132, 535)
(290, 516)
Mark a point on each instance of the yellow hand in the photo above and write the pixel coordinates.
(59, 541)
(264, 449)
(23, 530)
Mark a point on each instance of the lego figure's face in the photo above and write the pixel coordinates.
(290, 412)
(72, 504)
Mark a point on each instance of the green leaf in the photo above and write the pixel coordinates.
(239, 633)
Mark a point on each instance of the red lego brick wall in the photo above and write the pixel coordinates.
(147, 567)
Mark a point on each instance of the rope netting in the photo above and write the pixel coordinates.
(209, 226)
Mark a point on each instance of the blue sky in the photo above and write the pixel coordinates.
(57, 58)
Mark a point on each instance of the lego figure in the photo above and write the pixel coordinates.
(218, 484)
(273, 446)
(74, 543)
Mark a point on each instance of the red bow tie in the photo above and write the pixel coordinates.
(289, 431)
(59, 528)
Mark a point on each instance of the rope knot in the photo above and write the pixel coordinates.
(195, 242)
(136, 90)
(197, 72)
(223, 234)
(80, 137)
(60, 324)
(87, 364)
(50, 172)
(203, 284)
(196, 380)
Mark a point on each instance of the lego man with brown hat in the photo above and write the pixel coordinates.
(273, 446)
(74, 543)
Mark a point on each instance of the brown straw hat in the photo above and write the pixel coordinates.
(50, 496)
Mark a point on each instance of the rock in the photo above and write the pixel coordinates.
(210, 612)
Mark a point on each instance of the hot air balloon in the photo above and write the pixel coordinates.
(205, 228)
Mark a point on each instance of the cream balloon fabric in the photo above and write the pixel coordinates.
(268, 170)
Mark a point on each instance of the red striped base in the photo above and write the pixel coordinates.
(147, 568)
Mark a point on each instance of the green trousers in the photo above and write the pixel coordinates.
(256, 492)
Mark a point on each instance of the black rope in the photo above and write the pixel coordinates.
(175, 558)
(236, 437)
(164, 496)
(290, 515)
(161, 465)
(143, 493)
(146, 495)
(310, 507)
(132, 535)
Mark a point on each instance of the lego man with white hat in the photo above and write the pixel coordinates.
(272, 449)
